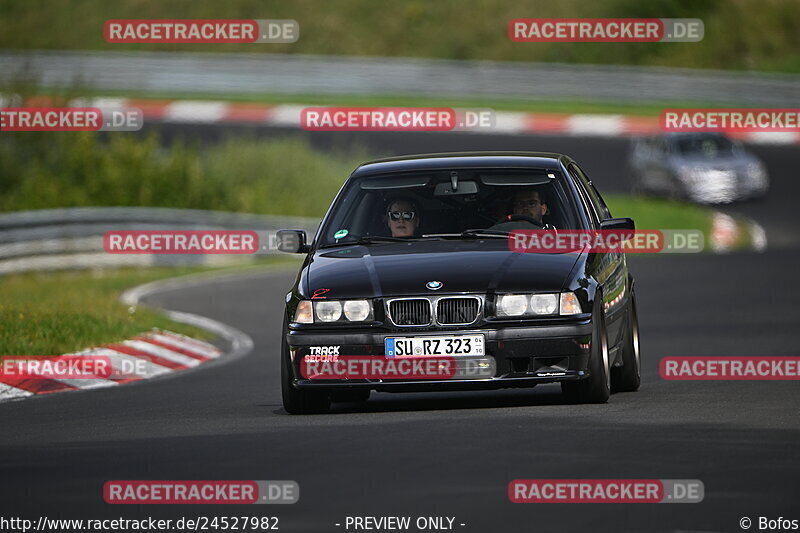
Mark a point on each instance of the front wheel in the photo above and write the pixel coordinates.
(597, 387)
(628, 377)
(297, 401)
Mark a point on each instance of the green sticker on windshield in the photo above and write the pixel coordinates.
(341, 234)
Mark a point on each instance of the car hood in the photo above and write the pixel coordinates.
(405, 268)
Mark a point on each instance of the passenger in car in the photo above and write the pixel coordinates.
(402, 217)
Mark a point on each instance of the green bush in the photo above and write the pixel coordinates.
(739, 34)
(283, 176)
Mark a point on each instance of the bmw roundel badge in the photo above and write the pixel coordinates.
(434, 285)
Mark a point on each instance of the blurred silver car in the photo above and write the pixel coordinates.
(700, 167)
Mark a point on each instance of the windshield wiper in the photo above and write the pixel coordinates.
(473, 233)
(469, 234)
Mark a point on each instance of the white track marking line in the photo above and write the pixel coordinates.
(185, 338)
(206, 351)
(93, 383)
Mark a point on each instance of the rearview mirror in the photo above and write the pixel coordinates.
(462, 187)
(292, 241)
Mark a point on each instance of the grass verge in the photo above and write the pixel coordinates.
(660, 213)
(51, 313)
(524, 105)
(664, 214)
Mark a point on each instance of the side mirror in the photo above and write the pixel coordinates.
(625, 226)
(618, 224)
(292, 241)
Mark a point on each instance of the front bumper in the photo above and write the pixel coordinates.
(521, 355)
(725, 191)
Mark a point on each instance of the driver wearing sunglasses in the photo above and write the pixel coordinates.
(402, 217)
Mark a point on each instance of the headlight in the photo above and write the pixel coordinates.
(304, 313)
(570, 304)
(544, 304)
(329, 311)
(333, 311)
(357, 310)
(512, 305)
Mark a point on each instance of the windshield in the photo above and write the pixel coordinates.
(708, 146)
(445, 204)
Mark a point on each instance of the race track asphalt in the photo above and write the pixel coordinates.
(454, 454)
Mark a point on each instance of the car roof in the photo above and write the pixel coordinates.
(545, 160)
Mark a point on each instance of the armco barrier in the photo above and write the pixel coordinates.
(53, 239)
(211, 73)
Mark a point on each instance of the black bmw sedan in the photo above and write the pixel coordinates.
(412, 264)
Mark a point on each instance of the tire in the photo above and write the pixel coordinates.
(597, 387)
(628, 377)
(297, 401)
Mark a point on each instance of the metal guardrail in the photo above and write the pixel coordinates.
(54, 239)
(206, 73)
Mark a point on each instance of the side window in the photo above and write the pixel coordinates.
(597, 201)
(583, 193)
(603, 207)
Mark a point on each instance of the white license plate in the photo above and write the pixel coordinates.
(450, 345)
